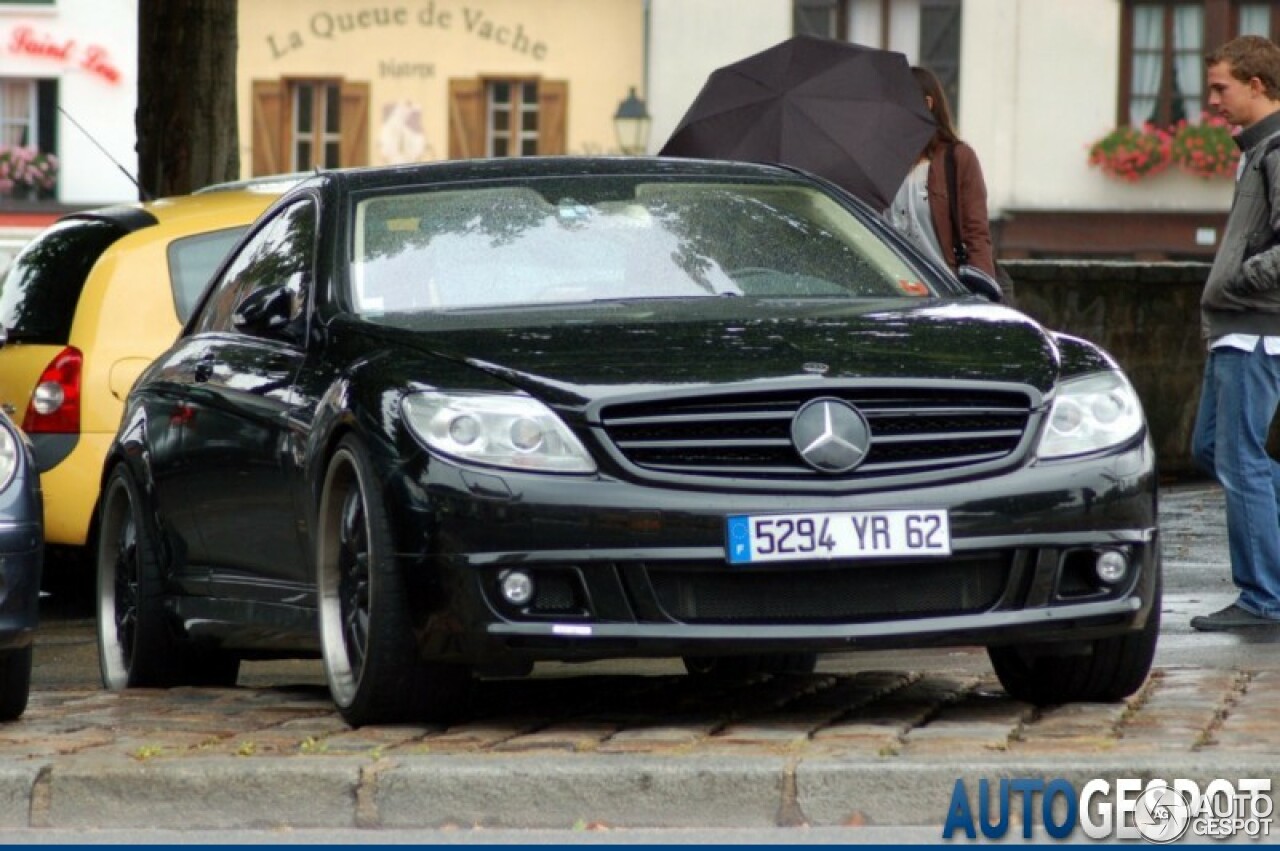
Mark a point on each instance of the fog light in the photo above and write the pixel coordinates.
(517, 587)
(1111, 566)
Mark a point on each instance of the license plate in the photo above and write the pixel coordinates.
(837, 535)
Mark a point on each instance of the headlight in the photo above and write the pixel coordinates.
(10, 456)
(1090, 414)
(515, 432)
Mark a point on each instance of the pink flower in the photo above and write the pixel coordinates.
(27, 166)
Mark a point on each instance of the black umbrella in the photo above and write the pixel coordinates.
(850, 113)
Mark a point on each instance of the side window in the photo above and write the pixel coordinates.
(38, 296)
(192, 261)
(281, 253)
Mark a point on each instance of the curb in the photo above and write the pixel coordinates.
(535, 792)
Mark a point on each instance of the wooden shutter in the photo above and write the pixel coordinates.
(553, 116)
(353, 124)
(46, 116)
(270, 127)
(466, 119)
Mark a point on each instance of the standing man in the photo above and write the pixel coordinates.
(1240, 318)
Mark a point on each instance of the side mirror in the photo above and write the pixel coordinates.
(266, 312)
(980, 283)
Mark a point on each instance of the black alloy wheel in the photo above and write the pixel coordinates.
(371, 659)
(137, 646)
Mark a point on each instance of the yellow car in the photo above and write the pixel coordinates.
(85, 307)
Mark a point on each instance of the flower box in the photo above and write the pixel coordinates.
(1206, 149)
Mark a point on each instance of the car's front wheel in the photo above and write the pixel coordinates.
(137, 647)
(375, 672)
(1111, 669)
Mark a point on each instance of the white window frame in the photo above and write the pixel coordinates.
(518, 105)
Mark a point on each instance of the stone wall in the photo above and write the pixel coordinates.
(1147, 315)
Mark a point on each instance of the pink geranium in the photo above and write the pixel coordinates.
(25, 166)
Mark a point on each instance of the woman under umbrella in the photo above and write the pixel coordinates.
(922, 208)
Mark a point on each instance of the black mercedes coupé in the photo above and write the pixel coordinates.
(440, 421)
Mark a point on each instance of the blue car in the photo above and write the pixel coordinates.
(21, 559)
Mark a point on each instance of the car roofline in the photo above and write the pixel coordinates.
(284, 181)
(131, 218)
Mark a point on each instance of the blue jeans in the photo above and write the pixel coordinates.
(1238, 399)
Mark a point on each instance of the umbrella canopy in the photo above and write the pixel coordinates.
(852, 114)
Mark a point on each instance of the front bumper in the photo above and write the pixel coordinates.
(635, 570)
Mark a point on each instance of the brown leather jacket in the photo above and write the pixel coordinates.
(975, 229)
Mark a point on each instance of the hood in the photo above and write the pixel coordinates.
(593, 350)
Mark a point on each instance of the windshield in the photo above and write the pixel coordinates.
(608, 238)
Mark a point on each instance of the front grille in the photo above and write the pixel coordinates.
(803, 594)
(748, 435)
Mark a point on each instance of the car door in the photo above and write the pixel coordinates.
(236, 467)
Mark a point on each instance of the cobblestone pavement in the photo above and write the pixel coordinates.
(847, 745)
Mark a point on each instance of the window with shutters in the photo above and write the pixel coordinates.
(29, 113)
(300, 125)
(29, 116)
(499, 117)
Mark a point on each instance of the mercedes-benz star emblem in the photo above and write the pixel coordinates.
(830, 435)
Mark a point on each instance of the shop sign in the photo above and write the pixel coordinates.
(464, 19)
(25, 41)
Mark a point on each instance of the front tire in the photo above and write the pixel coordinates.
(371, 659)
(1111, 670)
(137, 646)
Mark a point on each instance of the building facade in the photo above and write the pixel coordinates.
(326, 84)
(65, 63)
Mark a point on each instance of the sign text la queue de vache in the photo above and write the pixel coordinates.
(469, 20)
